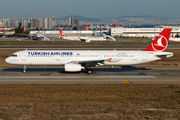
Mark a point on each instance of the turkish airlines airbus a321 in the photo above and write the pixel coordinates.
(77, 60)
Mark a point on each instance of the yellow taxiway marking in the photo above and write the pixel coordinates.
(126, 82)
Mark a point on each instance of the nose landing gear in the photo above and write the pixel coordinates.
(24, 69)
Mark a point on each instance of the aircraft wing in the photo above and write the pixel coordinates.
(88, 61)
(45, 37)
(97, 62)
(23, 34)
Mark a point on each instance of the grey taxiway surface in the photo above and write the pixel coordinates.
(134, 75)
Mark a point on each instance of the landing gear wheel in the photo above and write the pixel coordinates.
(24, 69)
(89, 71)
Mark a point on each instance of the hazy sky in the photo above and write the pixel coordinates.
(88, 8)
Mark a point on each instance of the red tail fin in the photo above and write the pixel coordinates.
(114, 26)
(25, 28)
(1, 29)
(87, 27)
(161, 42)
(62, 33)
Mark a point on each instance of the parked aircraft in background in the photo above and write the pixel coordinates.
(175, 39)
(64, 36)
(77, 60)
(7, 28)
(101, 37)
(38, 36)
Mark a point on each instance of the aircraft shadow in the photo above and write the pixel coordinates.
(61, 70)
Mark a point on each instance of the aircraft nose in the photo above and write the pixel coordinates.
(7, 60)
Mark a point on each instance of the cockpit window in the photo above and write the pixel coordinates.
(14, 55)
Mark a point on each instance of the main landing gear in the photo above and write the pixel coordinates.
(88, 70)
(24, 69)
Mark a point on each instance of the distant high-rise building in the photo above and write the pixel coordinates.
(26, 22)
(49, 23)
(16, 22)
(76, 22)
(34, 22)
(45, 23)
(71, 20)
(40, 23)
(1, 23)
(54, 22)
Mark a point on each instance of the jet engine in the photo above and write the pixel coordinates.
(73, 67)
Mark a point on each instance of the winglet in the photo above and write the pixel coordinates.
(161, 42)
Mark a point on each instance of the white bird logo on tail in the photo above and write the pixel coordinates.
(159, 42)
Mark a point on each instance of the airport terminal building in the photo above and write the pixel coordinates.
(142, 32)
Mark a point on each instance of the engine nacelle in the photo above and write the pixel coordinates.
(73, 67)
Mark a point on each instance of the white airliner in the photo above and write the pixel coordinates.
(101, 37)
(38, 36)
(65, 37)
(175, 39)
(77, 60)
